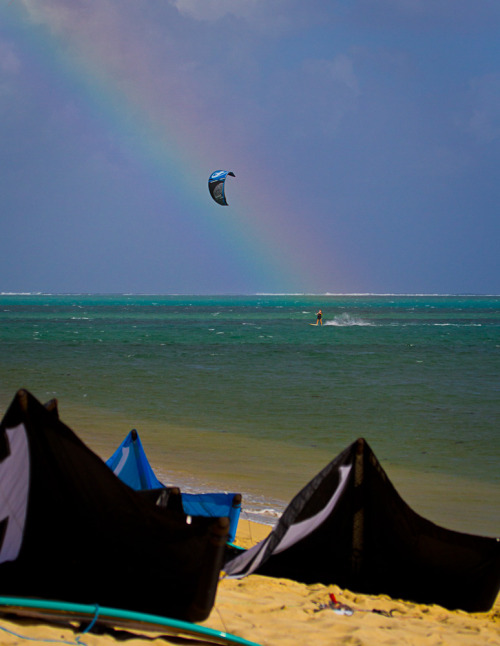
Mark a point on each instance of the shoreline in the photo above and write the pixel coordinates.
(459, 503)
(282, 612)
(455, 502)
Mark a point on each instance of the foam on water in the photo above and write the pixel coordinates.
(347, 320)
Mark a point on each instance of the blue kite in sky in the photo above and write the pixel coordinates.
(216, 183)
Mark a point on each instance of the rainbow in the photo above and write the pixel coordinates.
(117, 81)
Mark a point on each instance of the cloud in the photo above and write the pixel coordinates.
(315, 96)
(213, 10)
(10, 62)
(329, 91)
(269, 17)
(422, 16)
(342, 117)
(10, 66)
(12, 104)
(57, 14)
(484, 120)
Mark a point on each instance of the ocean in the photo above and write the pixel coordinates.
(241, 393)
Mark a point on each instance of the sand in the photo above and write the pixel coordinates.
(280, 612)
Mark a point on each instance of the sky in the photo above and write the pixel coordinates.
(364, 136)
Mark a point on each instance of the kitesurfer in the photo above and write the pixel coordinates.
(319, 318)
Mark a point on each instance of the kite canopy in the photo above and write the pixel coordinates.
(71, 530)
(216, 184)
(130, 464)
(350, 527)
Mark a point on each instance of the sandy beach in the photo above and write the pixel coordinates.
(281, 612)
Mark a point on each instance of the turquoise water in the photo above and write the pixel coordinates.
(241, 393)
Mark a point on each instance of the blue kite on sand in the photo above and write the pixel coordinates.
(130, 464)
